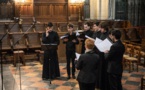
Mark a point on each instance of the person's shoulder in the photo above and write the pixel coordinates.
(73, 33)
(54, 32)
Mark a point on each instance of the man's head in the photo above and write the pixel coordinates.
(89, 44)
(49, 26)
(70, 27)
(96, 26)
(110, 34)
(116, 35)
(104, 27)
(87, 26)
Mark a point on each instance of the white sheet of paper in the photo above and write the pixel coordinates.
(77, 34)
(77, 56)
(90, 38)
(104, 45)
(98, 41)
(62, 37)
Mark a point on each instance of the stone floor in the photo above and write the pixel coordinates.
(32, 72)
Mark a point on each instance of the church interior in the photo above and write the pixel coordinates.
(22, 23)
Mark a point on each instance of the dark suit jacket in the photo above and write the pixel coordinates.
(69, 44)
(115, 57)
(88, 64)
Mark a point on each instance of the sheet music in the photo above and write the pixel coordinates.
(62, 37)
(77, 56)
(97, 41)
(79, 31)
(77, 34)
(104, 45)
(90, 38)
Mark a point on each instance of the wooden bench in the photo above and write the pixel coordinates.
(19, 57)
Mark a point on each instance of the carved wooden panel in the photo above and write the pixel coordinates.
(27, 28)
(74, 12)
(18, 41)
(14, 28)
(34, 43)
(23, 10)
(50, 1)
(51, 10)
(5, 42)
(6, 10)
(2, 28)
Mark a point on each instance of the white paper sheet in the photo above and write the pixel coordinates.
(104, 45)
(77, 56)
(62, 37)
(90, 38)
(97, 41)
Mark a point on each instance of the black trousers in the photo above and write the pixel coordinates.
(70, 56)
(87, 86)
(115, 81)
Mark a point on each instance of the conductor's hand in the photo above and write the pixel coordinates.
(65, 40)
(74, 41)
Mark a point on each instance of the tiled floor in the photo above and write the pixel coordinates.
(32, 72)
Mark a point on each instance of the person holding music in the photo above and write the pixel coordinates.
(88, 32)
(70, 40)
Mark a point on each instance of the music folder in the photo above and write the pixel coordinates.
(104, 45)
(48, 46)
(62, 37)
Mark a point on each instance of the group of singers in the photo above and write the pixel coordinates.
(102, 70)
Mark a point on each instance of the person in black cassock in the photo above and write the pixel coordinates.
(102, 82)
(70, 41)
(88, 32)
(97, 30)
(50, 64)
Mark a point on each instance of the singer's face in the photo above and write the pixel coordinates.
(95, 27)
(49, 29)
(112, 38)
(102, 30)
(86, 27)
(70, 29)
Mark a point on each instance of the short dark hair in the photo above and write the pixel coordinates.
(49, 24)
(105, 26)
(116, 33)
(87, 23)
(70, 25)
(97, 23)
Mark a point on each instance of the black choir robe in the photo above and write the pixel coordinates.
(102, 82)
(88, 33)
(96, 34)
(50, 64)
